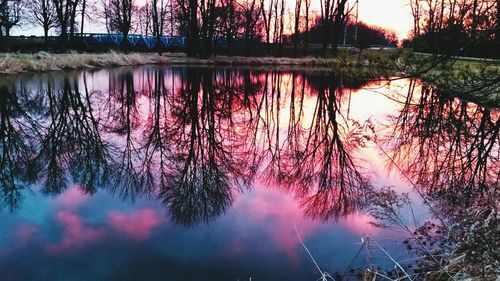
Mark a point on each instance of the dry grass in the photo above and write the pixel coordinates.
(470, 79)
(42, 61)
(368, 65)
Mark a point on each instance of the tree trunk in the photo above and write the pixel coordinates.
(497, 26)
(298, 4)
(338, 23)
(474, 20)
(72, 20)
(84, 3)
(306, 32)
(46, 35)
(192, 38)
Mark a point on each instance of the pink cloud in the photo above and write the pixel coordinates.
(280, 209)
(75, 234)
(137, 225)
(361, 224)
(72, 197)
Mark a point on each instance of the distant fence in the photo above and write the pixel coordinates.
(99, 41)
(134, 40)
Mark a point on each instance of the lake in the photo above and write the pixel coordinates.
(199, 173)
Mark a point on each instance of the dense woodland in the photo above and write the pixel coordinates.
(451, 26)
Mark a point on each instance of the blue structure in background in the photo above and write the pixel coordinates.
(134, 40)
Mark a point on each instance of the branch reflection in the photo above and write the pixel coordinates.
(193, 138)
(447, 145)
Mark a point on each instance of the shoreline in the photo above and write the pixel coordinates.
(13, 63)
(369, 65)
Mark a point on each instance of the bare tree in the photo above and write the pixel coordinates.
(415, 10)
(327, 8)
(65, 14)
(339, 19)
(44, 14)
(250, 11)
(191, 14)
(306, 31)
(333, 17)
(10, 14)
(84, 6)
(121, 15)
(267, 14)
(207, 28)
(144, 18)
(228, 17)
(106, 14)
(298, 8)
(159, 14)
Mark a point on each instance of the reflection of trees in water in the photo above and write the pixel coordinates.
(325, 161)
(122, 120)
(447, 145)
(49, 135)
(16, 136)
(187, 150)
(194, 137)
(207, 168)
(71, 141)
(313, 160)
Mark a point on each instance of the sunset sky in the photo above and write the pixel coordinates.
(391, 14)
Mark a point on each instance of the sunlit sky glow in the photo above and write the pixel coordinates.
(389, 14)
(393, 14)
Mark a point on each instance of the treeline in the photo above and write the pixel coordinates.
(354, 34)
(462, 27)
(458, 27)
(268, 22)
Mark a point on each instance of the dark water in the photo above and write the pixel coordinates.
(208, 174)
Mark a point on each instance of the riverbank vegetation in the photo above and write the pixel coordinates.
(476, 80)
(463, 243)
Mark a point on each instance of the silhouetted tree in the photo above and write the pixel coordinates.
(66, 15)
(333, 17)
(251, 11)
(144, 17)
(159, 14)
(120, 18)
(44, 14)
(10, 14)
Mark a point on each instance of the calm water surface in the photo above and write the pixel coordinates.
(161, 173)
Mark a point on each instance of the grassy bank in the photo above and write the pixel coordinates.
(474, 80)
(41, 62)
(368, 65)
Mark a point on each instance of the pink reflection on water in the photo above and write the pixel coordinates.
(137, 224)
(278, 212)
(75, 234)
(72, 197)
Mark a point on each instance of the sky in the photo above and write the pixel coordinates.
(389, 14)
